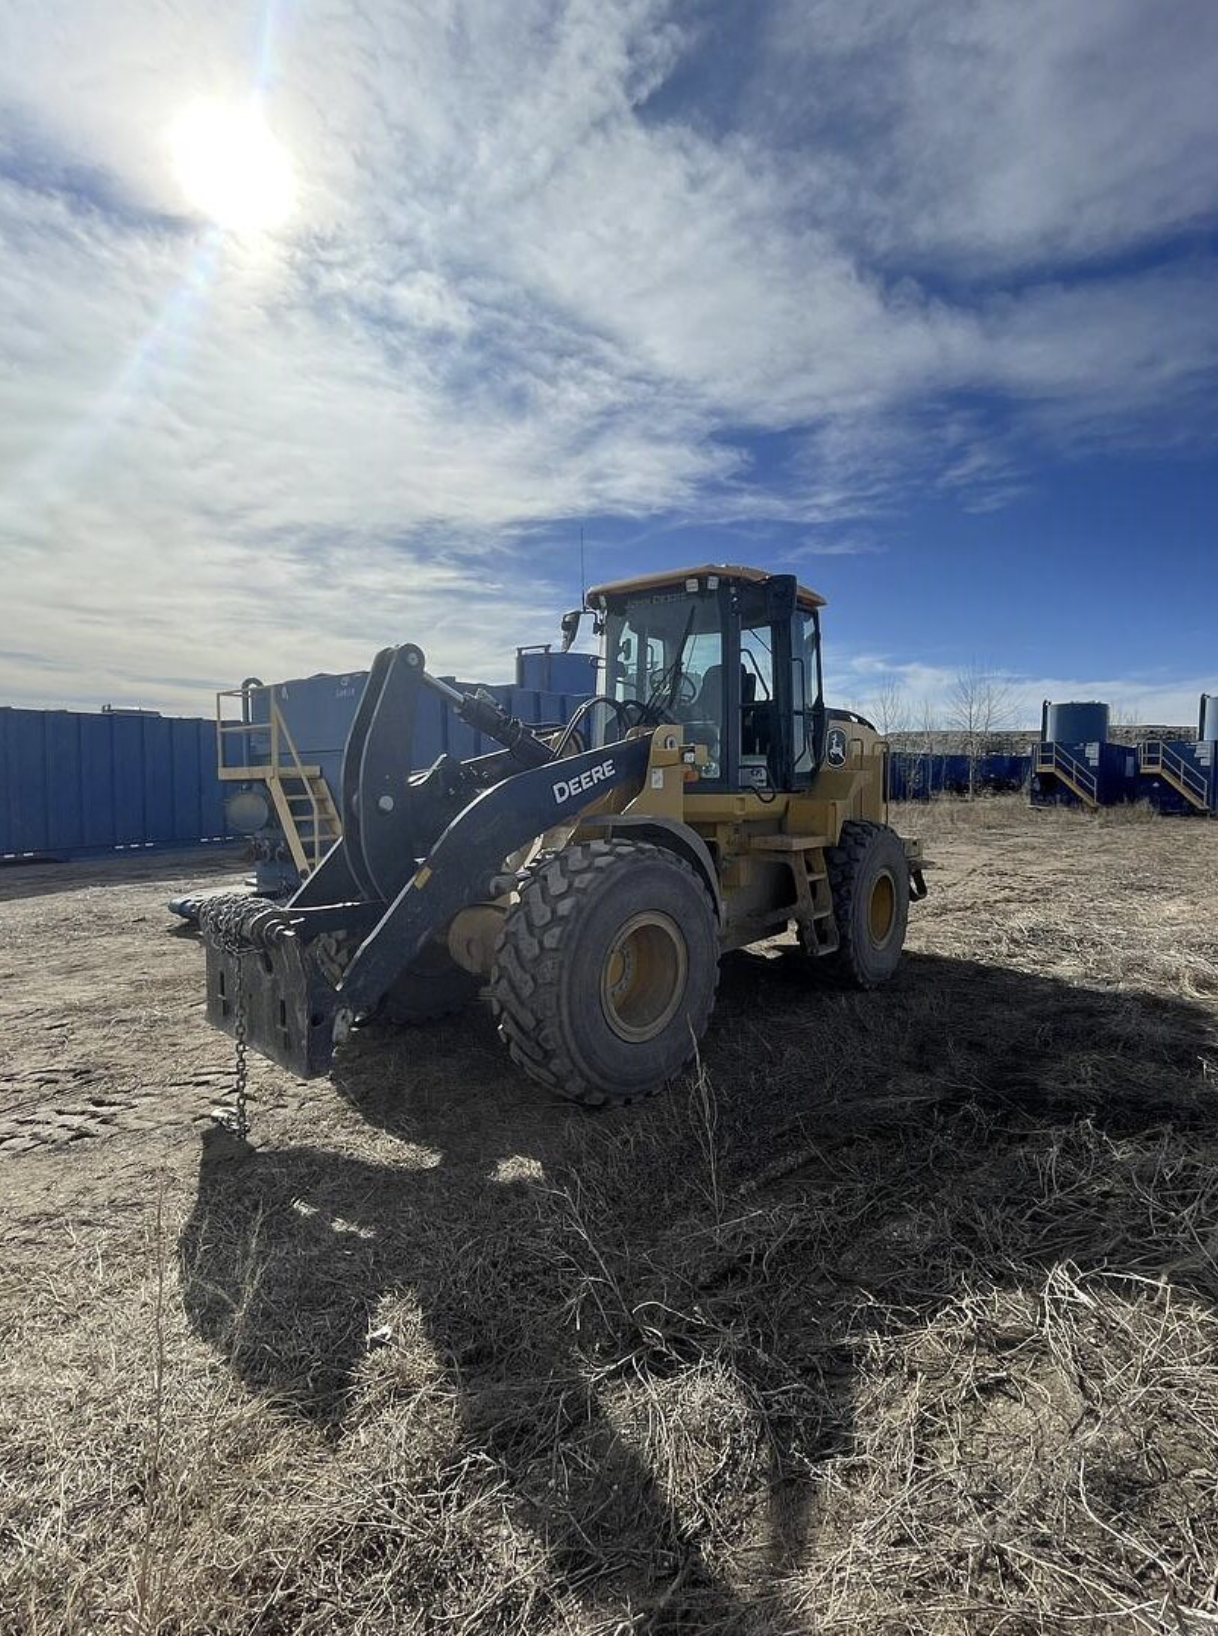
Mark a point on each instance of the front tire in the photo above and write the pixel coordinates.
(605, 971)
(869, 883)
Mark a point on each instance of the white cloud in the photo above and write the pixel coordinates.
(1153, 698)
(1000, 134)
(824, 544)
(511, 293)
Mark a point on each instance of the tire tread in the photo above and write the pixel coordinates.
(525, 996)
(843, 863)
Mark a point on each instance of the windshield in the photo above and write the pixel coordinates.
(644, 644)
(667, 650)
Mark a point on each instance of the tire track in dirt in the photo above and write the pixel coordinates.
(101, 1007)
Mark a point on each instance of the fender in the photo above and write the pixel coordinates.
(669, 833)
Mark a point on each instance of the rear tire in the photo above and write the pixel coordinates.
(869, 883)
(605, 971)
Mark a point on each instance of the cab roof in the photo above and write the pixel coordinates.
(677, 576)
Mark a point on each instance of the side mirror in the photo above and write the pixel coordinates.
(570, 627)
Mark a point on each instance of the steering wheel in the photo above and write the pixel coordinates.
(686, 690)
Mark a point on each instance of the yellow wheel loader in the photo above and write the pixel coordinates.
(707, 799)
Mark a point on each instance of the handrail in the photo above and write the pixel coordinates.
(275, 724)
(1157, 756)
(226, 728)
(1052, 758)
(276, 767)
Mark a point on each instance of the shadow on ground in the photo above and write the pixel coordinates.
(650, 1321)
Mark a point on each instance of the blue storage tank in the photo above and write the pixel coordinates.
(1179, 776)
(545, 671)
(917, 777)
(1207, 719)
(1075, 764)
(75, 783)
(319, 710)
(1107, 772)
(1075, 723)
(1007, 773)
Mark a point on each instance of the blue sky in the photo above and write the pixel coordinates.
(913, 298)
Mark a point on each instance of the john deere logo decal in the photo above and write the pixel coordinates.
(567, 787)
(835, 748)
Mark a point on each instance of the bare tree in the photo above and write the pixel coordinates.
(928, 724)
(979, 702)
(924, 726)
(1124, 723)
(888, 709)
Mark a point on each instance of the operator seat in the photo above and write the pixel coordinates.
(756, 728)
(703, 715)
(709, 703)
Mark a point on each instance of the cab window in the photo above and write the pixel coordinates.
(756, 703)
(805, 691)
(668, 650)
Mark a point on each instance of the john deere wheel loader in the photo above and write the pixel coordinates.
(706, 800)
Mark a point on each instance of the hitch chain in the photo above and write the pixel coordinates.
(223, 923)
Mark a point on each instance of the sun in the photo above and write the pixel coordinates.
(232, 168)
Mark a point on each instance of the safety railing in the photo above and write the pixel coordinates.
(242, 730)
(1156, 756)
(273, 727)
(1056, 759)
(279, 768)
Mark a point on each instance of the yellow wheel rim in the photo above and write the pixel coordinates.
(882, 909)
(644, 975)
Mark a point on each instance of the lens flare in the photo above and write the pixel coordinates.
(232, 168)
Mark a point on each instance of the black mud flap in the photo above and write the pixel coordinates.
(289, 1007)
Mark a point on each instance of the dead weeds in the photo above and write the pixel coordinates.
(899, 1315)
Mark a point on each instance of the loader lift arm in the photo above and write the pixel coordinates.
(416, 849)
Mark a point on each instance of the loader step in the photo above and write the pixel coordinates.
(786, 843)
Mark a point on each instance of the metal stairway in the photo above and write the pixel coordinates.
(300, 795)
(307, 814)
(1077, 777)
(1159, 758)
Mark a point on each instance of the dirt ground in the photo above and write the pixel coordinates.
(896, 1315)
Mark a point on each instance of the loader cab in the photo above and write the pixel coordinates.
(733, 655)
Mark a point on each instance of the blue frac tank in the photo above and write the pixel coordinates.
(1076, 723)
(1208, 724)
(542, 670)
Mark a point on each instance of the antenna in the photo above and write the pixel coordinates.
(583, 577)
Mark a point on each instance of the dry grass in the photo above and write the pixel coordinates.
(898, 1316)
